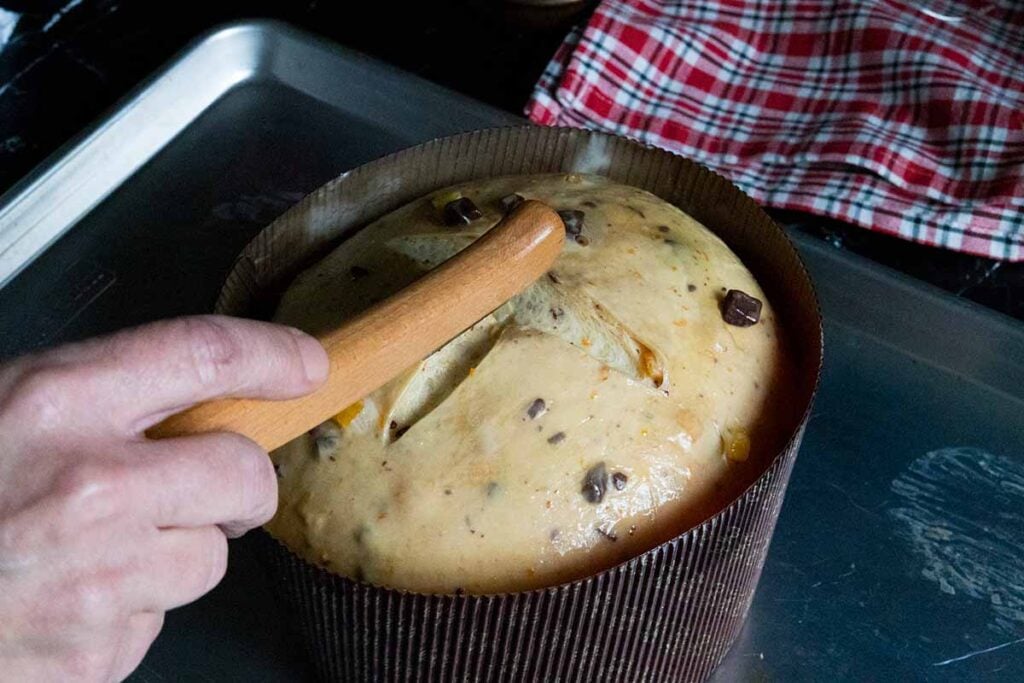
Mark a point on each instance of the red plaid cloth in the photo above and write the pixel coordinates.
(902, 117)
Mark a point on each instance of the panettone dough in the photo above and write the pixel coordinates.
(653, 412)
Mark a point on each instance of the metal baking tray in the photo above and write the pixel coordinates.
(899, 554)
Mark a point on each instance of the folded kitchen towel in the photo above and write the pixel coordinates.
(902, 117)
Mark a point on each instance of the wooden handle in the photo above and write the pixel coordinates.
(377, 345)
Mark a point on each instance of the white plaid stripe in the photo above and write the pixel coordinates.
(885, 126)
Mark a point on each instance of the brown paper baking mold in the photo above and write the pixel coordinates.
(668, 614)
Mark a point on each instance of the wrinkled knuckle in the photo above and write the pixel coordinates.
(92, 601)
(87, 491)
(35, 531)
(88, 479)
(78, 482)
(40, 395)
(213, 350)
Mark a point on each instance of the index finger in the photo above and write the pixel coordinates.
(135, 378)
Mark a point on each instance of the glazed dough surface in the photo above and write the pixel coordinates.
(445, 480)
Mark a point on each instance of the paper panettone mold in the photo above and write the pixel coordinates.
(669, 614)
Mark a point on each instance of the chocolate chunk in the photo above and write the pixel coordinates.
(393, 425)
(740, 309)
(400, 432)
(536, 409)
(635, 210)
(461, 211)
(663, 228)
(556, 438)
(357, 272)
(691, 288)
(619, 481)
(492, 489)
(582, 240)
(595, 483)
(554, 277)
(557, 312)
(508, 203)
(573, 219)
(447, 492)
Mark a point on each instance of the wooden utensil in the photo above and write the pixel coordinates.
(375, 346)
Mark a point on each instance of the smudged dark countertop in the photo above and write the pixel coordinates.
(65, 62)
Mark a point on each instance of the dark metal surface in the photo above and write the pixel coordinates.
(59, 70)
(900, 547)
(899, 553)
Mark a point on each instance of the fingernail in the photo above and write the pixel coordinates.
(314, 358)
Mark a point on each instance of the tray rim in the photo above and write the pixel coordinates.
(27, 227)
(38, 209)
(262, 43)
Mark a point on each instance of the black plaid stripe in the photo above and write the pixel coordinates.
(919, 65)
(976, 155)
(744, 116)
(837, 198)
(836, 191)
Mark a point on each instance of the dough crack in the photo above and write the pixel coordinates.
(547, 306)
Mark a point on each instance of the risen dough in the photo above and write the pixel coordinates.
(652, 414)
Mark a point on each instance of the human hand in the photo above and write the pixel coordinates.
(103, 530)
